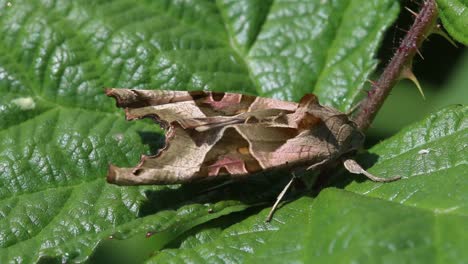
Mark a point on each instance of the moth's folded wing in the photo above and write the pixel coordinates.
(280, 146)
(190, 155)
(162, 105)
(178, 162)
(174, 105)
(135, 98)
(200, 141)
(264, 117)
(242, 149)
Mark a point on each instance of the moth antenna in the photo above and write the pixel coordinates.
(279, 198)
(353, 109)
(353, 167)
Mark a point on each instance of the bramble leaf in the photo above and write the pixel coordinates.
(417, 219)
(454, 15)
(59, 132)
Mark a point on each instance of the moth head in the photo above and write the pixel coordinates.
(350, 137)
(357, 139)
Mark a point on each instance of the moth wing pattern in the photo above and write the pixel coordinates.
(177, 105)
(211, 134)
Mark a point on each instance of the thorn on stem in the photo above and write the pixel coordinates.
(373, 83)
(407, 73)
(437, 29)
(411, 11)
(419, 53)
(401, 29)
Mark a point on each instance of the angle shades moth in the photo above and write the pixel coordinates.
(213, 134)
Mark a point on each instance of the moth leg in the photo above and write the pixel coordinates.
(353, 167)
(217, 187)
(317, 165)
(279, 198)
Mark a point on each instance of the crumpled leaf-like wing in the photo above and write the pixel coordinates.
(212, 134)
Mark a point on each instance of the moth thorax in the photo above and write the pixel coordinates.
(350, 138)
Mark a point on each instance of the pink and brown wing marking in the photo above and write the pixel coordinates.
(228, 156)
(281, 146)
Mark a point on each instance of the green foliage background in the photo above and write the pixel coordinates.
(59, 132)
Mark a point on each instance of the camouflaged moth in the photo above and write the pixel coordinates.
(212, 134)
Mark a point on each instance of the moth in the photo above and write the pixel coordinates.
(213, 134)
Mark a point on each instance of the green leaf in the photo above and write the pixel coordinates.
(454, 15)
(59, 132)
(415, 220)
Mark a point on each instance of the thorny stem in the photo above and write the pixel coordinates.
(400, 62)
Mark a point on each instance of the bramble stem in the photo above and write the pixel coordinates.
(401, 61)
